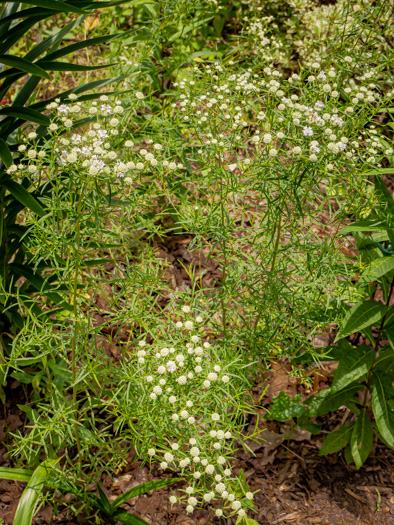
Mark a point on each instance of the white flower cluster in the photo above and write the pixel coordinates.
(91, 155)
(306, 118)
(191, 428)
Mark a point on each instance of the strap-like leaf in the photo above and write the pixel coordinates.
(105, 502)
(361, 315)
(5, 153)
(129, 519)
(67, 66)
(53, 5)
(26, 114)
(362, 439)
(23, 196)
(23, 65)
(15, 474)
(143, 489)
(32, 493)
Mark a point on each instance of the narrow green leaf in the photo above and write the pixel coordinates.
(143, 489)
(26, 114)
(129, 519)
(32, 493)
(383, 409)
(23, 196)
(336, 440)
(353, 365)
(361, 315)
(23, 65)
(362, 439)
(15, 474)
(104, 502)
(5, 153)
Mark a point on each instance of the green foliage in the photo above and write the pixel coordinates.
(359, 367)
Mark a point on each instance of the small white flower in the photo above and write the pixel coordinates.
(206, 384)
(149, 379)
(186, 309)
(199, 319)
(218, 513)
(181, 380)
(212, 376)
(153, 396)
(151, 452)
(189, 325)
(163, 465)
(249, 496)
(172, 500)
(184, 414)
(242, 513)
(161, 369)
(267, 138)
(139, 95)
(227, 435)
(307, 131)
(215, 416)
(225, 379)
(175, 417)
(209, 469)
(206, 345)
(194, 338)
(197, 475)
(157, 390)
(168, 457)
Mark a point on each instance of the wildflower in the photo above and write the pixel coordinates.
(186, 309)
(194, 339)
(171, 366)
(212, 376)
(139, 95)
(209, 469)
(192, 501)
(221, 460)
(241, 513)
(161, 369)
(206, 384)
(236, 505)
(215, 417)
(151, 452)
(199, 319)
(172, 499)
(218, 513)
(307, 131)
(163, 465)
(249, 496)
(189, 325)
(181, 380)
(267, 138)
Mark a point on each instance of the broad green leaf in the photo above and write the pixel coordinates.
(336, 440)
(383, 409)
(377, 269)
(353, 365)
(384, 196)
(385, 361)
(361, 315)
(32, 493)
(26, 114)
(283, 407)
(23, 65)
(389, 333)
(5, 153)
(15, 474)
(23, 196)
(362, 439)
(143, 489)
(129, 519)
(246, 521)
(327, 401)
